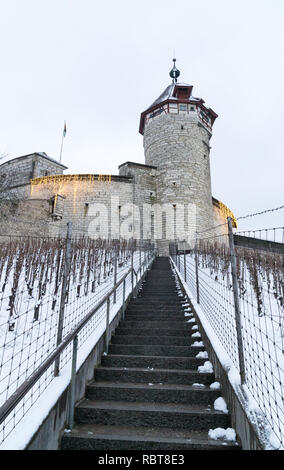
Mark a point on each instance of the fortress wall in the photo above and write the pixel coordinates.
(21, 218)
(20, 170)
(74, 198)
(16, 172)
(144, 193)
(220, 222)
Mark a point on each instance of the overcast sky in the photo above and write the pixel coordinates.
(98, 65)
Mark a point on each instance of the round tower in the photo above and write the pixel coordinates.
(176, 131)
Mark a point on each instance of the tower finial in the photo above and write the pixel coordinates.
(174, 73)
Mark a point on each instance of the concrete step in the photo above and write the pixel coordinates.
(161, 291)
(152, 306)
(101, 437)
(160, 308)
(155, 317)
(155, 308)
(142, 301)
(179, 315)
(164, 415)
(160, 280)
(153, 340)
(147, 393)
(157, 323)
(140, 375)
(159, 350)
(154, 331)
(157, 362)
(160, 287)
(162, 294)
(166, 393)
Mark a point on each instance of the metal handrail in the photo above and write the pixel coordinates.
(17, 396)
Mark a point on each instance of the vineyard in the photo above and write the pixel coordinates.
(46, 289)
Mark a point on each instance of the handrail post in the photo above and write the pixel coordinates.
(107, 325)
(236, 301)
(123, 300)
(132, 277)
(176, 252)
(73, 384)
(66, 273)
(136, 286)
(184, 263)
(196, 274)
(115, 277)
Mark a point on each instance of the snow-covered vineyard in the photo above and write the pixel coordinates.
(206, 275)
(31, 290)
(35, 291)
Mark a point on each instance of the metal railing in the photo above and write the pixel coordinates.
(75, 320)
(240, 292)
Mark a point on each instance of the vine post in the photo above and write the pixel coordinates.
(66, 273)
(236, 301)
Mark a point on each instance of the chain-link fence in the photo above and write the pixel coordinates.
(241, 293)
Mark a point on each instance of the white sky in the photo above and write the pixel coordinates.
(100, 64)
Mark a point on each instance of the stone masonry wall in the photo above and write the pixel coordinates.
(90, 205)
(144, 194)
(21, 170)
(178, 145)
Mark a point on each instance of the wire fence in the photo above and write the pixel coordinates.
(275, 234)
(241, 292)
(48, 286)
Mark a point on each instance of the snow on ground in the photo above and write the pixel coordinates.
(202, 355)
(207, 368)
(228, 434)
(215, 386)
(196, 335)
(220, 405)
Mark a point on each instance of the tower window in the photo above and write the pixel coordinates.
(182, 107)
(192, 108)
(182, 93)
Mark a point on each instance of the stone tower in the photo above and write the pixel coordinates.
(176, 131)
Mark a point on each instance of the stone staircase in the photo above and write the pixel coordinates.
(147, 394)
